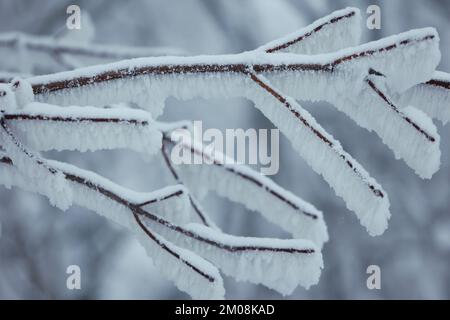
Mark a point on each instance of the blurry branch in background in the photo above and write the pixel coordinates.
(69, 54)
(322, 61)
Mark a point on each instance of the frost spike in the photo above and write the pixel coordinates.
(362, 194)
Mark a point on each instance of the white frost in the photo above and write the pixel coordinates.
(76, 128)
(338, 30)
(241, 184)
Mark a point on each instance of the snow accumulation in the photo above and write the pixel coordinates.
(340, 29)
(48, 127)
(244, 185)
(278, 264)
(281, 265)
(187, 270)
(149, 81)
(324, 154)
(412, 137)
(388, 86)
(7, 99)
(432, 97)
(45, 180)
(22, 91)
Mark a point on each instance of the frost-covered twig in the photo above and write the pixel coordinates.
(43, 50)
(381, 116)
(407, 131)
(242, 184)
(194, 202)
(340, 29)
(48, 181)
(432, 97)
(278, 264)
(47, 127)
(154, 79)
(325, 155)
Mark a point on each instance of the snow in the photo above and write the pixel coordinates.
(432, 99)
(338, 30)
(178, 265)
(76, 128)
(241, 184)
(7, 99)
(258, 260)
(393, 125)
(31, 52)
(45, 180)
(23, 92)
(362, 194)
(276, 267)
(405, 65)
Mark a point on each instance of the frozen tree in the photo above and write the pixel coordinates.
(389, 86)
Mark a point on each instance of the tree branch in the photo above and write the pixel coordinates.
(165, 66)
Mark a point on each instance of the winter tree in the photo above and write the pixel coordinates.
(389, 86)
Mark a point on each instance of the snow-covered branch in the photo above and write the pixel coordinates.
(325, 155)
(432, 97)
(373, 83)
(44, 51)
(278, 264)
(154, 79)
(407, 131)
(340, 29)
(47, 127)
(240, 183)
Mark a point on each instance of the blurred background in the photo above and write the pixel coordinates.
(38, 242)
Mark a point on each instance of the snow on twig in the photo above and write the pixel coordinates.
(241, 184)
(432, 97)
(325, 155)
